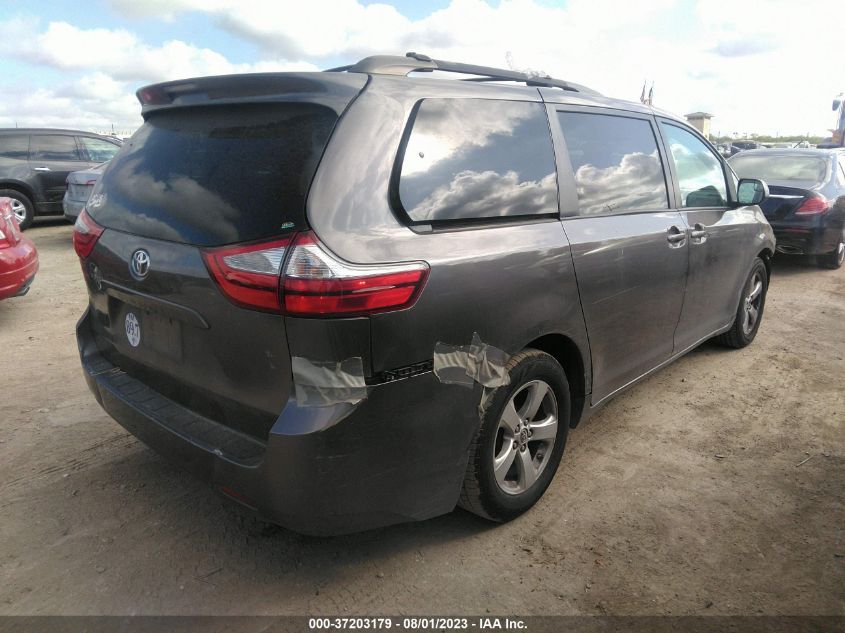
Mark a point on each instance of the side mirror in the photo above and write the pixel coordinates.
(751, 191)
(836, 104)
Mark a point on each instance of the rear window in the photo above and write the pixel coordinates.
(469, 159)
(216, 175)
(14, 146)
(808, 168)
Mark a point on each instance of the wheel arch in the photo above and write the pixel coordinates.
(766, 255)
(568, 354)
(20, 187)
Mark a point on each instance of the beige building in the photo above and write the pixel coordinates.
(701, 122)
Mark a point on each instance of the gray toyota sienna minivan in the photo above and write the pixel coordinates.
(365, 296)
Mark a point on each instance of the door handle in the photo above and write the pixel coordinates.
(42, 169)
(675, 236)
(699, 233)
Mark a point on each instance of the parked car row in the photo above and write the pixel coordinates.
(730, 149)
(35, 163)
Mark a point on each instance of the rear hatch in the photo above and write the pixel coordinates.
(218, 161)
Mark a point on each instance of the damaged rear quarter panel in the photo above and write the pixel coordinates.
(510, 284)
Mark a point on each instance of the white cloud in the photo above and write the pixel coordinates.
(124, 57)
(104, 68)
(766, 65)
(92, 102)
(717, 55)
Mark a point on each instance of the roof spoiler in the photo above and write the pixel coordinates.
(334, 91)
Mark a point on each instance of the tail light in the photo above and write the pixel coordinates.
(249, 274)
(813, 205)
(313, 282)
(86, 232)
(316, 283)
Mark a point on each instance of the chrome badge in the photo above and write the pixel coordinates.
(139, 265)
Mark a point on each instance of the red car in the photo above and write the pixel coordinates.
(18, 257)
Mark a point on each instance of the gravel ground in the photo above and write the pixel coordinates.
(715, 487)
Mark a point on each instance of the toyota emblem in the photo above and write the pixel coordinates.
(139, 265)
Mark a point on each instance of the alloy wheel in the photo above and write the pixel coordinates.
(753, 299)
(19, 210)
(525, 437)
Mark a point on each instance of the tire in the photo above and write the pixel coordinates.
(834, 259)
(532, 374)
(21, 205)
(742, 332)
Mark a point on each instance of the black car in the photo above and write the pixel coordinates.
(745, 145)
(353, 298)
(806, 203)
(35, 163)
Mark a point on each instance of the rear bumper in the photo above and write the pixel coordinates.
(399, 455)
(18, 265)
(806, 241)
(72, 208)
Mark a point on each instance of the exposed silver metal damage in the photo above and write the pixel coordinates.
(325, 383)
(465, 365)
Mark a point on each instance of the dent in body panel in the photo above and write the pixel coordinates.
(476, 362)
(325, 383)
(330, 361)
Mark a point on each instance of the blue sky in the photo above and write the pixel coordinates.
(79, 64)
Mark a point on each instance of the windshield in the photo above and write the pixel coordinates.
(812, 168)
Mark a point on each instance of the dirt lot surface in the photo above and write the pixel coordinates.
(715, 487)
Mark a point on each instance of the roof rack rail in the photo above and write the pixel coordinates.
(417, 62)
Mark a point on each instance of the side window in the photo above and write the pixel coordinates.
(700, 175)
(53, 147)
(99, 151)
(476, 158)
(14, 146)
(616, 163)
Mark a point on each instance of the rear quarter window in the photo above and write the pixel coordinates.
(477, 159)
